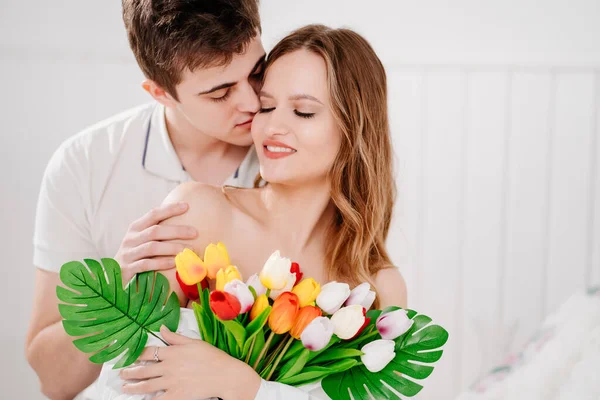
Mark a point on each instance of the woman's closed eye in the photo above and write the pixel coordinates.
(298, 113)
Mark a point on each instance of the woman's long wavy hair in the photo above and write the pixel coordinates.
(362, 181)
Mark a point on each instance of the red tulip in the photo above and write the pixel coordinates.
(225, 306)
(295, 269)
(190, 291)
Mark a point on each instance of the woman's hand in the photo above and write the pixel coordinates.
(191, 369)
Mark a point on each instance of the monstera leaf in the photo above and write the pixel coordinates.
(416, 348)
(114, 320)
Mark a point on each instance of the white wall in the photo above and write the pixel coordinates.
(495, 111)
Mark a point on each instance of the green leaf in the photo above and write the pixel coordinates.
(237, 331)
(294, 364)
(113, 320)
(335, 354)
(414, 350)
(314, 373)
(258, 345)
(255, 326)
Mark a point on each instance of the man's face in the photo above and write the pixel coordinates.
(220, 102)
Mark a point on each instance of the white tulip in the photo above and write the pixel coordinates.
(347, 321)
(393, 324)
(275, 272)
(242, 293)
(378, 354)
(317, 334)
(255, 283)
(363, 295)
(332, 296)
(288, 286)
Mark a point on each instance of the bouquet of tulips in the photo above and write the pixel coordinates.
(289, 329)
(295, 331)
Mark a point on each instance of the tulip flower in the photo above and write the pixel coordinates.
(349, 321)
(190, 291)
(190, 267)
(225, 305)
(287, 288)
(260, 304)
(307, 291)
(242, 293)
(332, 296)
(393, 324)
(378, 354)
(215, 258)
(255, 283)
(295, 269)
(305, 316)
(275, 272)
(317, 334)
(227, 275)
(363, 295)
(284, 312)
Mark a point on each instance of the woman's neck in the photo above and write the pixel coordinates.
(299, 214)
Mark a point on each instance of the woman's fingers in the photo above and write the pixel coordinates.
(145, 386)
(140, 372)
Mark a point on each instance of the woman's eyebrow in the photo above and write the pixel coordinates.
(293, 97)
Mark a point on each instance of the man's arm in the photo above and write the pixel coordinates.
(63, 370)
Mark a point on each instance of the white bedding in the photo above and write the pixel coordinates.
(562, 362)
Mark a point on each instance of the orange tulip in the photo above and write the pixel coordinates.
(284, 312)
(190, 267)
(259, 306)
(305, 316)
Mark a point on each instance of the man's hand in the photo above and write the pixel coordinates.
(144, 247)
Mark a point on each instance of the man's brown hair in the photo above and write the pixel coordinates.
(168, 36)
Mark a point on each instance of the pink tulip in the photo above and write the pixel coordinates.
(349, 321)
(242, 293)
(332, 296)
(378, 354)
(363, 295)
(393, 324)
(317, 334)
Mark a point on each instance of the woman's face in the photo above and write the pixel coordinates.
(295, 133)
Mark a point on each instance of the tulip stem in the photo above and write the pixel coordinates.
(264, 350)
(285, 349)
(251, 350)
(271, 357)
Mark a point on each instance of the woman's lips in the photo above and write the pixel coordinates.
(276, 150)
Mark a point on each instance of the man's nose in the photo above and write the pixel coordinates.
(248, 102)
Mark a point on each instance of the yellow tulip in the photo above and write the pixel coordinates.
(226, 275)
(261, 303)
(307, 291)
(190, 267)
(215, 258)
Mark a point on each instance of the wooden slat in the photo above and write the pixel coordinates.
(593, 272)
(441, 273)
(570, 191)
(483, 222)
(405, 99)
(523, 284)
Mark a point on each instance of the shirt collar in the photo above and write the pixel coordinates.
(159, 156)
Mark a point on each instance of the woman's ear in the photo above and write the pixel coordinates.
(158, 93)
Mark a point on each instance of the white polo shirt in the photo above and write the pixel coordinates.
(104, 178)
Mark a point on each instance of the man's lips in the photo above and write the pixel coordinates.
(245, 123)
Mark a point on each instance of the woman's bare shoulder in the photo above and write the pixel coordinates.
(208, 212)
(391, 287)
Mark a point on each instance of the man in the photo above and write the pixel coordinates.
(203, 62)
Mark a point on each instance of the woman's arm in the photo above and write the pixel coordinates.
(391, 288)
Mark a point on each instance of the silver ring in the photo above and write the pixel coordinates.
(156, 354)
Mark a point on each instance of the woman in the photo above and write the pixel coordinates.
(323, 142)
